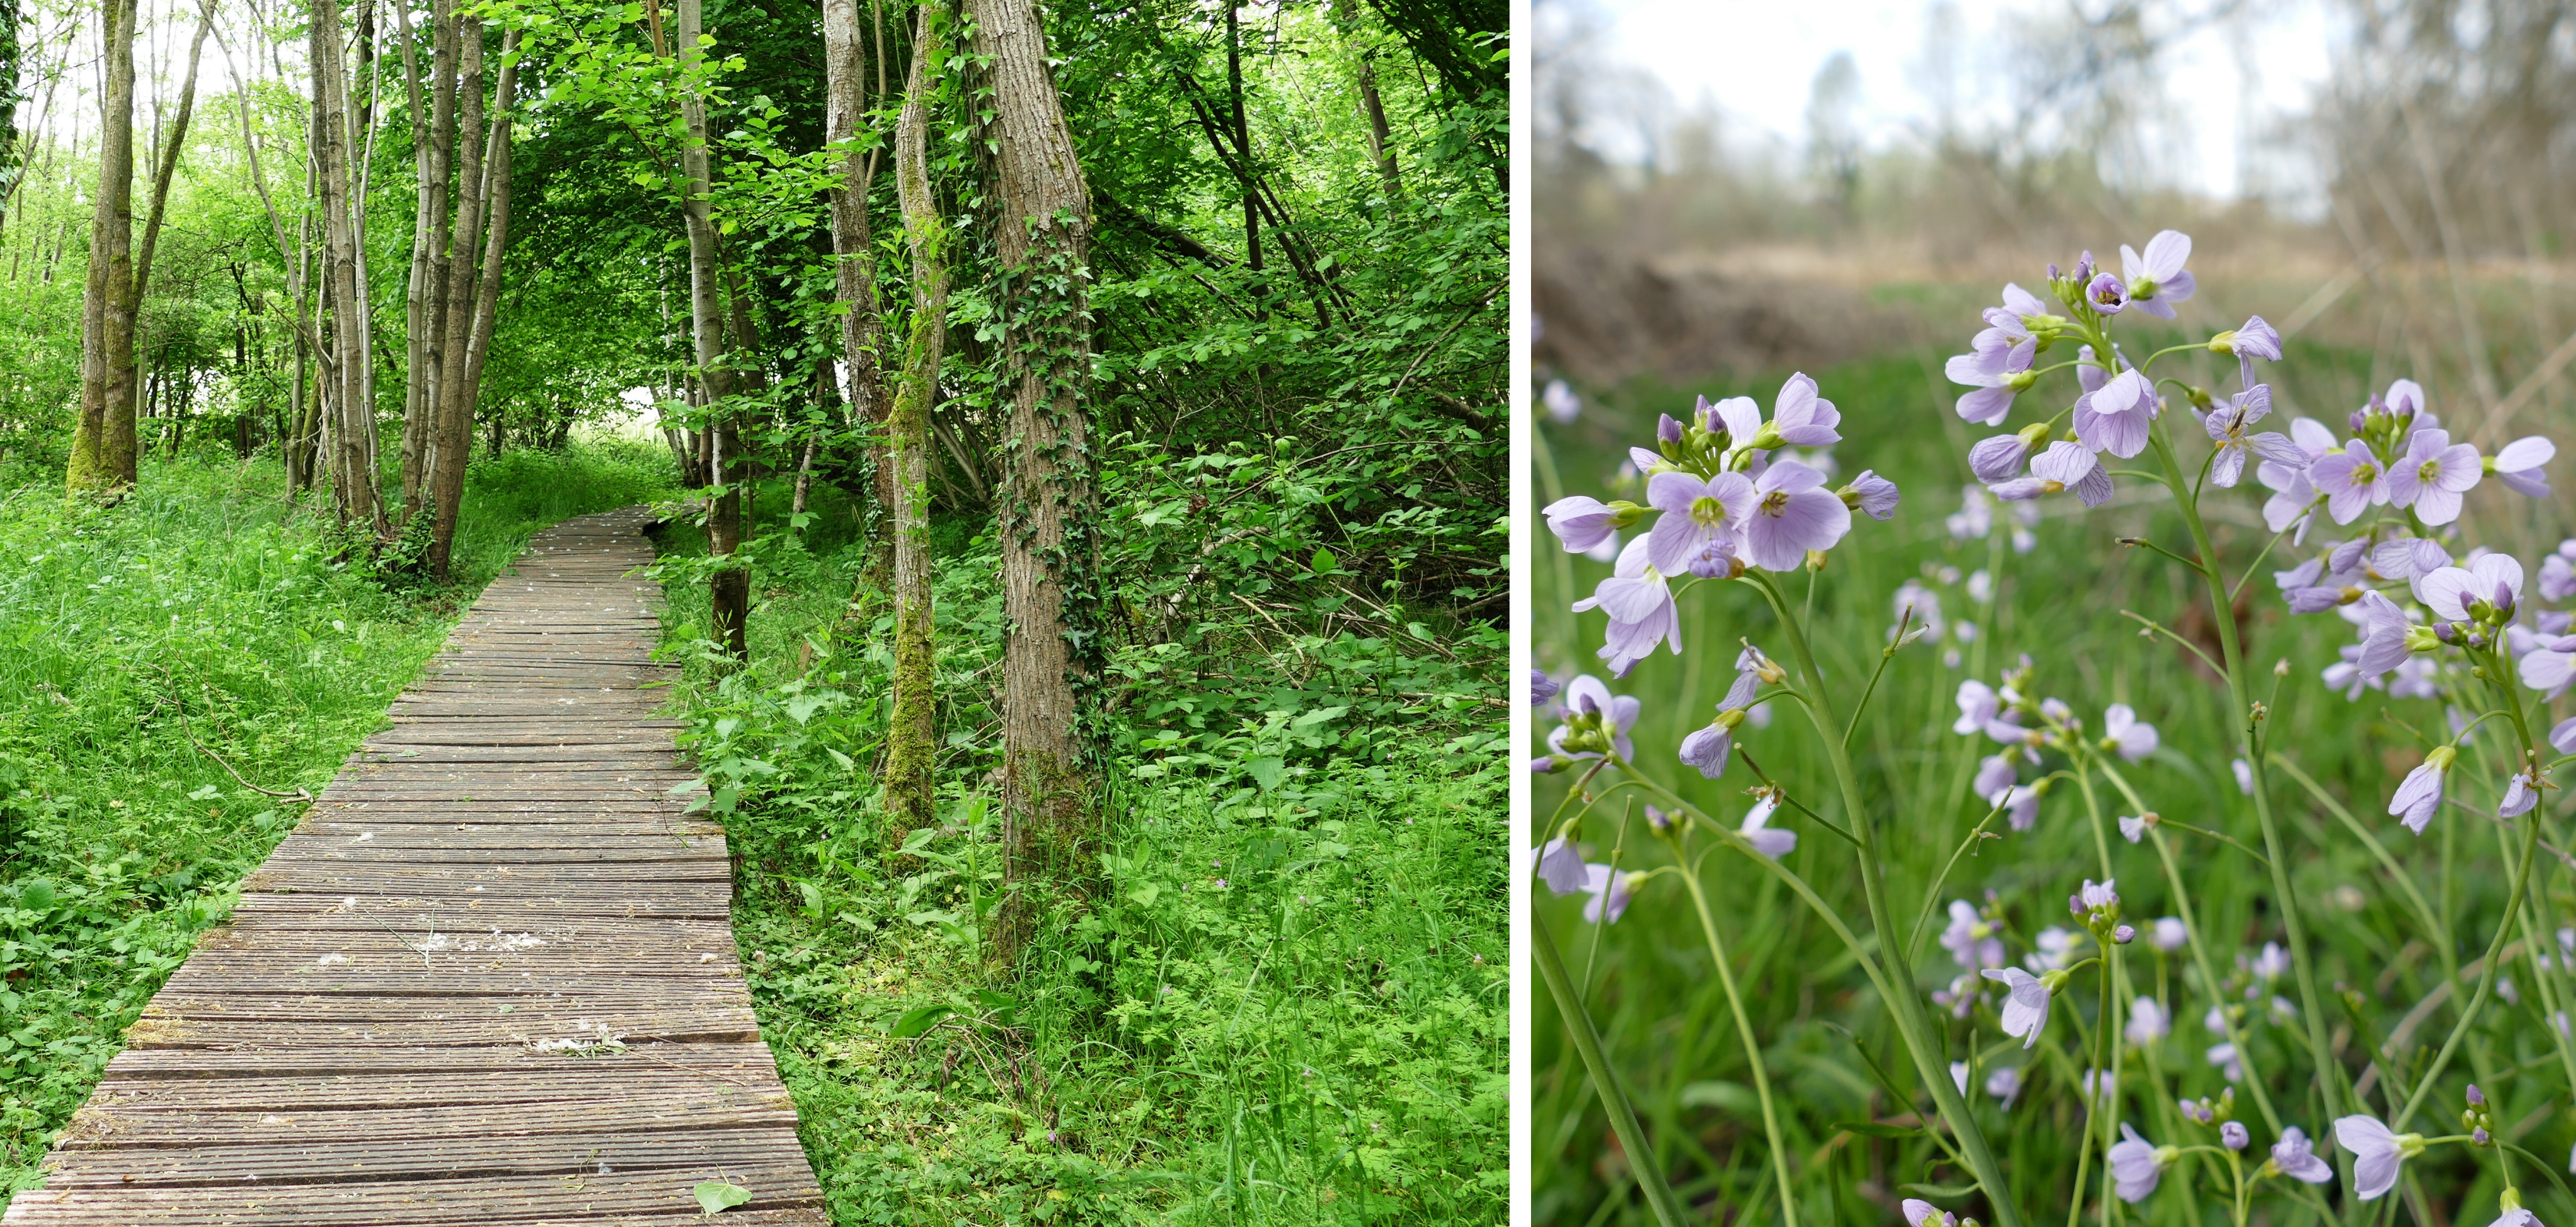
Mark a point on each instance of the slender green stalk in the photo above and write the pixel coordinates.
(1623, 1117)
(1752, 1046)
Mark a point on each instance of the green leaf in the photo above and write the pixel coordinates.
(1731, 1096)
(1266, 772)
(916, 1023)
(1324, 561)
(1873, 1129)
(715, 1195)
(1144, 896)
(1938, 1190)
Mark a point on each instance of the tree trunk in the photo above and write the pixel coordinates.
(474, 321)
(729, 589)
(451, 439)
(425, 297)
(1381, 149)
(353, 429)
(107, 312)
(862, 329)
(1049, 500)
(122, 446)
(912, 732)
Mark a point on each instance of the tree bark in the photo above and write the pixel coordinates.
(107, 313)
(354, 428)
(1381, 147)
(862, 328)
(1049, 501)
(912, 733)
(451, 431)
(729, 588)
(471, 319)
(429, 220)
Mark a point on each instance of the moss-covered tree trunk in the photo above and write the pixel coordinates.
(845, 68)
(107, 305)
(1049, 499)
(912, 739)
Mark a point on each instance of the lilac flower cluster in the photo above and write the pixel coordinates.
(1724, 501)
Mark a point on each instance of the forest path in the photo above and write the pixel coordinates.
(490, 979)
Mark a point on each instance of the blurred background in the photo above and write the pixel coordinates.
(1729, 192)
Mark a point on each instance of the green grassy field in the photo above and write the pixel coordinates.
(203, 611)
(1663, 1016)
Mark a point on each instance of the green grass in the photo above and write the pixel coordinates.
(1648, 980)
(204, 594)
(1282, 1002)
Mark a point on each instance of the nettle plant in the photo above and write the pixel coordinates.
(2371, 518)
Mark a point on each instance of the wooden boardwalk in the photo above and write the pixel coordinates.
(491, 979)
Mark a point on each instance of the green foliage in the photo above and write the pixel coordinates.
(204, 611)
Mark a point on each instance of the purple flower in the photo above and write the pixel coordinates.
(1706, 749)
(1996, 383)
(2158, 280)
(1588, 700)
(2148, 1022)
(2228, 428)
(1697, 515)
(1542, 687)
(2563, 737)
(2433, 476)
(2518, 465)
(2548, 666)
(2449, 591)
(2376, 1152)
(1978, 704)
(2405, 399)
(1920, 1213)
(1872, 494)
(2137, 1164)
(2293, 1157)
(1768, 842)
(2107, 294)
(2116, 418)
(1736, 416)
(1998, 458)
(2025, 1009)
(2520, 794)
(1559, 865)
(1641, 609)
(2351, 480)
(2255, 340)
(1562, 404)
(2384, 643)
(1971, 939)
(1802, 418)
(2233, 1135)
(1582, 523)
(2065, 465)
(1609, 890)
(2122, 730)
(1791, 516)
(2420, 793)
(1995, 774)
(2408, 557)
(2021, 806)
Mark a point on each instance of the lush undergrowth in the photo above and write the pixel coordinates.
(204, 616)
(1283, 1002)
(1854, 1149)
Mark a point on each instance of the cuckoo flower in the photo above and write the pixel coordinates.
(2548, 665)
(1792, 516)
(2106, 294)
(1757, 831)
(1800, 417)
(2255, 339)
(2148, 1022)
(1978, 705)
(2025, 1009)
(1559, 865)
(2495, 579)
(2066, 465)
(2157, 280)
(1542, 687)
(1920, 1213)
(1562, 404)
(1998, 458)
(2520, 794)
(1582, 523)
(1697, 514)
(2518, 465)
(1996, 383)
(2420, 793)
(1870, 493)
(2385, 634)
(2124, 732)
(2116, 419)
(2231, 429)
(1609, 890)
(2137, 1164)
(1641, 609)
(2352, 480)
(2376, 1152)
(1974, 941)
(1995, 775)
(1593, 714)
(2433, 476)
(2558, 572)
(2295, 1158)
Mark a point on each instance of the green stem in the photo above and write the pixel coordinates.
(1623, 1118)
(1752, 1046)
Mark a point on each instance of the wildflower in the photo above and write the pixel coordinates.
(1921, 1213)
(2386, 642)
(2228, 1061)
(2520, 794)
(1609, 890)
(2509, 1203)
(1799, 417)
(1562, 404)
(2518, 465)
(1542, 687)
(2102, 899)
(1972, 939)
(1595, 720)
(2420, 793)
(2433, 476)
(1706, 748)
(2233, 1135)
(2157, 280)
(1757, 832)
(2562, 738)
(2293, 1157)
(2106, 294)
(2005, 1085)
(1791, 516)
(2135, 828)
(2375, 1153)
(2115, 419)
(2255, 339)
(1996, 382)
(1697, 514)
(2228, 428)
(1870, 493)
(1641, 609)
(1978, 706)
(1559, 865)
(2148, 1022)
(2351, 480)
(2408, 557)
(2171, 934)
(2124, 732)
(2065, 465)
(1549, 764)
(1959, 1075)
(2137, 1164)
(2025, 1009)
(2021, 806)
(1581, 523)
(2244, 775)
(1974, 518)
(1995, 775)
(2495, 579)
(2292, 497)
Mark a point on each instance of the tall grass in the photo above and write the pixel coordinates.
(203, 617)
(1648, 980)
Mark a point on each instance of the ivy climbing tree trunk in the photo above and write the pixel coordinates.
(853, 250)
(911, 739)
(107, 305)
(729, 588)
(1049, 501)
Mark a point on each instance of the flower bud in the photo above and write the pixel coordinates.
(2233, 1134)
(2358, 421)
(1549, 764)
(2124, 935)
(2223, 343)
(1668, 430)
(2480, 1137)
(2477, 1098)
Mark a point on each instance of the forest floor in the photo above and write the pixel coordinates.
(1284, 1001)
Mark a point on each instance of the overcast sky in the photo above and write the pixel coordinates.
(1757, 62)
